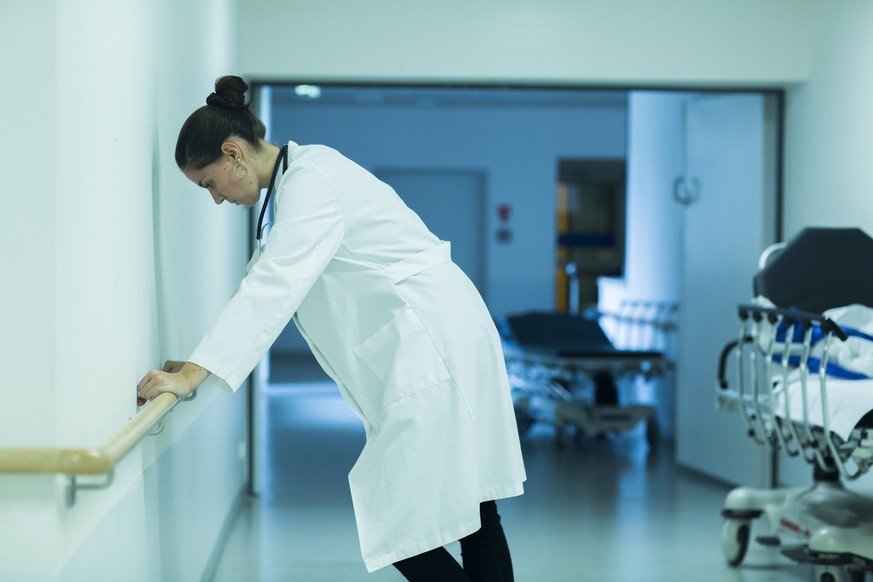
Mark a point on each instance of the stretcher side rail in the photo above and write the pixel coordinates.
(641, 324)
(101, 460)
(766, 422)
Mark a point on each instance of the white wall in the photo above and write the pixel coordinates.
(829, 138)
(636, 42)
(28, 243)
(117, 263)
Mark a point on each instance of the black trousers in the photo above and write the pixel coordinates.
(485, 556)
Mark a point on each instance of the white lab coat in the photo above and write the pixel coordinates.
(406, 337)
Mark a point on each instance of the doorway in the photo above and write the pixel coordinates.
(513, 139)
(591, 223)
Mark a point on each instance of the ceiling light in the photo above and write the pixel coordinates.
(308, 91)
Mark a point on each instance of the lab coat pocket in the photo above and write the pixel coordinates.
(403, 356)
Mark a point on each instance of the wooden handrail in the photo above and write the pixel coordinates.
(94, 461)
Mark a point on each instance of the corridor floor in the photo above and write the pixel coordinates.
(600, 510)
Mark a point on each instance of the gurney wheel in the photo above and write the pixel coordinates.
(735, 540)
(836, 573)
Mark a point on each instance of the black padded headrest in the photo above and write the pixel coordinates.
(821, 268)
(556, 330)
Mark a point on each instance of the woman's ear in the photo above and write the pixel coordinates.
(232, 150)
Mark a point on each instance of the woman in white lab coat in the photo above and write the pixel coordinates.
(390, 318)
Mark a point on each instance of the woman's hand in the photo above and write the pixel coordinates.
(179, 378)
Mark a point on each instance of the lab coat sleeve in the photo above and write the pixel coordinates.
(307, 234)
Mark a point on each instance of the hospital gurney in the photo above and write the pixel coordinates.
(803, 386)
(563, 370)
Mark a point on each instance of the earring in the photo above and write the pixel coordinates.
(236, 172)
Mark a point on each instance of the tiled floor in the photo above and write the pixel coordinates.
(605, 510)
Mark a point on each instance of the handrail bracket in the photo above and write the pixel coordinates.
(73, 486)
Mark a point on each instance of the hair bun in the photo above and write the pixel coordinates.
(230, 93)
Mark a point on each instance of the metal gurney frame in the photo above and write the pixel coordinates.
(563, 368)
(782, 394)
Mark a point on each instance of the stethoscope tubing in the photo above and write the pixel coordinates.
(283, 158)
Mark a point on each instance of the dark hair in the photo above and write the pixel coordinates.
(225, 114)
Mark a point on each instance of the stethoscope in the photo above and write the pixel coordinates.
(283, 158)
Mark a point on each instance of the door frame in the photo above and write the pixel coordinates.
(260, 96)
